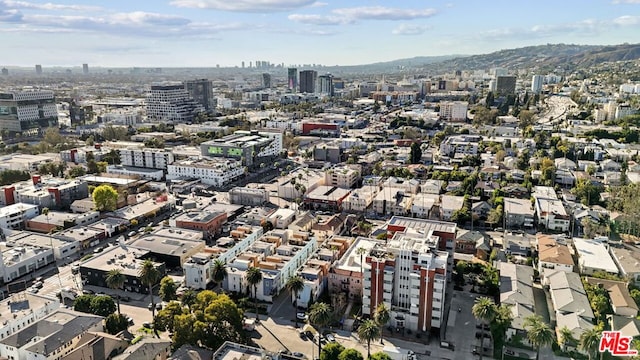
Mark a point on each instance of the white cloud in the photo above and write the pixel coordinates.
(318, 4)
(627, 20)
(626, 1)
(319, 19)
(343, 16)
(410, 29)
(11, 4)
(11, 15)
(384, 13)
(244, 5)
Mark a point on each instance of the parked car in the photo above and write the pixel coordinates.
(301, 316)
(299, 355)
(330, 338)
(303, 335)
(150, 306)
(129, 320)
(147, 325)
(88, 292)
(38, 284)
(158, 306)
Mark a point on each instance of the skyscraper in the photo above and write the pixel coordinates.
(266, 81)
(201, 90)
(39, 69)
(308, 81)
(325, 84)
(85, 68)
(28, 111)
(536, 83)
(505, 85)
(292, 79)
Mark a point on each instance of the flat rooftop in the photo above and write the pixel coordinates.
(350, 261)
(35, 239)
(124, 258)
(15, 208)
(22, 304)
(594, 254)
(108, 180)
(198, 216)
(328, 193)
(166, 246)
(423, 225)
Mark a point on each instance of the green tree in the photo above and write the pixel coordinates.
(115, 323)
(484, 310)
(105, 197)
(599, 304)
(350, 354)
(380, 356)
(149, 276)
(539, 333)
(565, 338)
(382, 315)
(83, 303)
(219, 271)
(168, 289)
(189, 298)
(254, 277)
(77, 171)
(103, 305)
(165, 319)
(331, 351)
(320, 315)
(115, 280)
(184, 331)
(590, 341)
(415, 154)
(295, 285)
(367, 331)
(526, 119)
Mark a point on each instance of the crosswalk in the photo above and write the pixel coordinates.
(53, 284)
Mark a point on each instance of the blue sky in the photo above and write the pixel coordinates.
(226, 32)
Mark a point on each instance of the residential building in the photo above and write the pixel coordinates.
(454, 110)
(315, 277)
(142, 173)
(423, 204)
(627, 326)
(171, 246)
(449, 204)
(100, 345)
(409, 276)
(147, 348)
(621, 301)
(537, 81)
(552, 214)
(474, 243)
(282, 218)
(17, 261)
(325, 85)
(21, 309)
(518, 244)
(431, 186)
(79, 155)
(444, 231)
(171, 102)
(127, 259)
(28, 112)
(198, 269)
(392, 201)
(627, 257)
(346, 274)
(216, 172)
(409, 186)
(232, 351)
(52, 337)
(15, 216)
(519, 213)
(359, 200)
(567, 293)
(516, 289)
(593, 256)
(146, 158)
(345, 177)
(460, 144)
(292, 79)
(49, 192)
(552, 255)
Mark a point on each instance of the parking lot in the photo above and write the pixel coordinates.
(461, 327)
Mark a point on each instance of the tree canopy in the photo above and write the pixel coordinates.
(105, 197)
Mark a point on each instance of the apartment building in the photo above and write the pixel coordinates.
(19, 310)
(519, 213)
(198, 269)
(359, 199)
(28, 112)
(146, 158)
(15, 216)
(550, 210)
(460, 144)
(50, 192)
(248, 196)
(216, 172)
(342, 176)
(553, 255)
(593, 256)
(409, 275)
(454, 110)
(171, 102)
(346, 274)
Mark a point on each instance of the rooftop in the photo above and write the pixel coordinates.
(22, 304)
(350, 261)
(165, 245)
(423, 225)
(594, 254)
(550, 251)
(122, 257)
(328, 193)
(16, 208)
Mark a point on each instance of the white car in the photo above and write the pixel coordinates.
(302, 316)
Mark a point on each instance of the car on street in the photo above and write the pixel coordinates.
(132, 233)
(330, 338)
(129, 320)
(38, 284)
(88, 292)
(303, 335)
(301, 316)
(158, 306)
(299, 355)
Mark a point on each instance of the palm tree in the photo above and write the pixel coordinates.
(538, 332)
(590, 341)
(484, 310)
(115, 280)
(254, 277)
(295, 285)
(381, 316)
(361, 251)
(149, 276)
(565, 337)
(369, 330)
(320, 316)
(219, 270)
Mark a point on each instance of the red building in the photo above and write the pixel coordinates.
(210, 223)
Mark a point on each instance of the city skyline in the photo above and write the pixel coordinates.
(206, 33)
